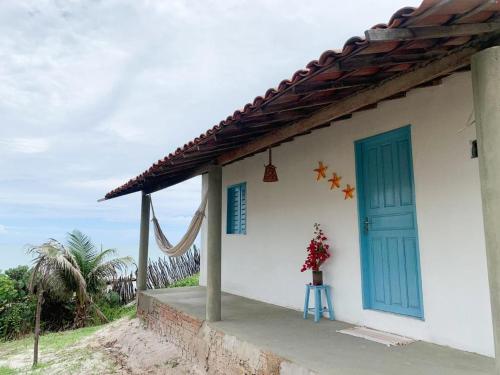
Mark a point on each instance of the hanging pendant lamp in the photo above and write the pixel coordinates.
(270, 174)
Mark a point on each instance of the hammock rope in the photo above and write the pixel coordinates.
(189, 237)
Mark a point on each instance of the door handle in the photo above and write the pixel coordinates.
(367, 223)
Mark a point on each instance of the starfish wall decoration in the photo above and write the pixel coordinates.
(348, 192)
(321, 171)
(335, 181)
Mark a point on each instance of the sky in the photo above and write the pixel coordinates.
(93, 92)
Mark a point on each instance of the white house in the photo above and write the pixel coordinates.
(429, 278)
(409, 120)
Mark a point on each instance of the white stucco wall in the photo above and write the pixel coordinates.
(264, 264)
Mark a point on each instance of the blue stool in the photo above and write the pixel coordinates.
(318, 309)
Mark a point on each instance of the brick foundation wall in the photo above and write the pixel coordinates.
(216, 351)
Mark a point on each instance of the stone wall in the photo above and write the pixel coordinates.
(217, 352)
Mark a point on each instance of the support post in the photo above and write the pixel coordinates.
(142, 268)
(214, 229)
(486, 83)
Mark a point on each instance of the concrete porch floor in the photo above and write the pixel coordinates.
(317, 346)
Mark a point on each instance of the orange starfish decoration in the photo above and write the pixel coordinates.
(349, 192)
(321, 171)
(335, 180)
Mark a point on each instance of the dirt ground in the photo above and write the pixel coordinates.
(121, 347)
(136, 350)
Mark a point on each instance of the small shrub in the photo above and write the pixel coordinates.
(112, 298)
(20, 275)
(16, 307)
(188, 281)
(16, 310)
(8, 292)
(113, 312)
(17, 319)
(112, 307)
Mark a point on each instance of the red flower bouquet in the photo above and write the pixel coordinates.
(317, 254)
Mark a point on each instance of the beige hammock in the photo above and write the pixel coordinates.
(187, 240)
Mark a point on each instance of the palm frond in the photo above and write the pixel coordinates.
(52, 259)
(80, 242)
(108, 270)
(77, 268)
(99, 258)
(82, 249)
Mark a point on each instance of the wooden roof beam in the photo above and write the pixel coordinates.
(258, 122)
(244, 134)
(392, 59)
(180, 166)
(326, 86)
(402, 82)
(210, 152)
(285, 107)
(429, 32)
(169, 180)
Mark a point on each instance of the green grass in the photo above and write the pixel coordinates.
(57, 340)
(114, 313)
(6, 371)
(51, 342)
(60, 340)
(188, 281)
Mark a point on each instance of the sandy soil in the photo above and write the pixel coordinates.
(136, 350)
(122, 347)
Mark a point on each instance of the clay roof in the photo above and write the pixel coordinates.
(333, 76)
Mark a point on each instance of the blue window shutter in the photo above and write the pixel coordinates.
(230, 204)
(243, 209)
(236, 209)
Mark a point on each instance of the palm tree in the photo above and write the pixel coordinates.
(96, 267)
(77, 269)
(52, 262)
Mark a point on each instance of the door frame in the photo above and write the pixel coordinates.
(365, 282)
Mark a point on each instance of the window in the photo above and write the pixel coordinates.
(237, 209)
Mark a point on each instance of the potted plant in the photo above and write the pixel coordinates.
(317, 254)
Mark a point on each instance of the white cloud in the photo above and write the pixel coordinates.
(25, 145)
(124, 127)
(100, 184)
(91, 91)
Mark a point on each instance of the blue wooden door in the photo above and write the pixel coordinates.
(388, 224)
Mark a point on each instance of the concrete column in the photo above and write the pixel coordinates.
(142, 268)
(486, 88)
(214, 229)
